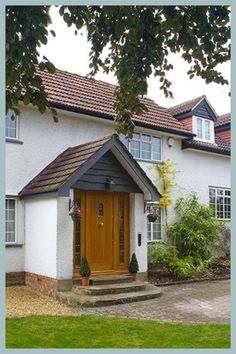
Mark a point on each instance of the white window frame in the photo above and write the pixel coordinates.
(16, 210)
(224, 189)
(143, 141)
(212, 133)
(17, 128)
(152, 241)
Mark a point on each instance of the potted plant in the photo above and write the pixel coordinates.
(75, 212)
(85, 271)
(152, 214)
(133, 267)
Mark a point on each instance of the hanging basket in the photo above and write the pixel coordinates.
(75, 217)
(152, 217)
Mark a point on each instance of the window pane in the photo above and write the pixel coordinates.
(146, 151)
(207, 130)
(212, 200)
(10, 215)
(77, 250)
(154, 229)
(149, 231)
(146, 137)
(10, 127)
(135, 148)
(227, 208)
(199, 128)
(121, 232)
(11, 204)
(136, 136)
(156, 148)
(220, 209)
(220, 202)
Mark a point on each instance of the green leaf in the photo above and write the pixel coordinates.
(50, 67)
(53, 33)
(26, 100)
(42, 65)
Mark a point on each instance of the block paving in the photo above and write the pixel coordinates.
(202, 302)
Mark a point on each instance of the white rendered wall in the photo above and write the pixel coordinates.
(41, 236)
(43, 140)
(196, 171)
(138, 224)
(64, 240)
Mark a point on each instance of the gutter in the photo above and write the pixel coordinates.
(187, 145)
(111, 118)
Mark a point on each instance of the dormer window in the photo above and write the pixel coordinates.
(204, 129)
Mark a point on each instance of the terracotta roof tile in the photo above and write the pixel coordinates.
(223, 119)
(185, 106)
(53, 176)
(75, 92)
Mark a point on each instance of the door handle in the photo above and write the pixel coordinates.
(101, 223)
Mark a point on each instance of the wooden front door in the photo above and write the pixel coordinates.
(99, 230)
(103, 233)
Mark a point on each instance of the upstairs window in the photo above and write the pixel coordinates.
(204, 129)
(143, 147)
(11, 125)
(220, 202)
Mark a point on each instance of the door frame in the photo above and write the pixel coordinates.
(117, 268)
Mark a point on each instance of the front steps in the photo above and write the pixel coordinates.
(109, 292)
(115, 279)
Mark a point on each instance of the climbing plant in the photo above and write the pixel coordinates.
(166, 174)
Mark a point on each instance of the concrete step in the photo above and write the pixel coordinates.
(97, 290)
(114, 279)
(75, 300)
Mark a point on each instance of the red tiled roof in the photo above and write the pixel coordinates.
(223, 119)
(75, 92)
(185, 106)
(53, 176)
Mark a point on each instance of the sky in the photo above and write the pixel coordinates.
(71, 53)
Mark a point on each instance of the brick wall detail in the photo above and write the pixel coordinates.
(15, 278)
(45, 285)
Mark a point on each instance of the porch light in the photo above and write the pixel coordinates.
(109, 183)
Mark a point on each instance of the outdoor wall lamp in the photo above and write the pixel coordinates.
(110, 184)
(170, 142)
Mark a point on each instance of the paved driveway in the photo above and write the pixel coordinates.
(193, 302)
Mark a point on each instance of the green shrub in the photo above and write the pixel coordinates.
(186, 267)
(182, 268)
(133, 266)
(159, 253)
(84, 267)
(195, 231)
